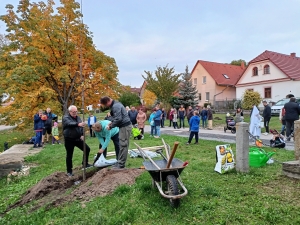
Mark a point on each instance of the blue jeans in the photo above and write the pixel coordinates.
(158, 131)
(204, 122)
(181, 124)
(153, 130)
(38, 138)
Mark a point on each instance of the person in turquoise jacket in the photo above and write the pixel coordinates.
(105, 136)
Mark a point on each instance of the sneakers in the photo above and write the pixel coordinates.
(70, 174)
(196, 143)
(187, 143)
(35, 146)
(156, 136)
(265, 133)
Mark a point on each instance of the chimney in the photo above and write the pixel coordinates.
(293, 54)
(243, 65)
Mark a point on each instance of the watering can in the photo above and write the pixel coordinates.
(258, 157)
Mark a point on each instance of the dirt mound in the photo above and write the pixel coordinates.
(52, 189)
(105, 182)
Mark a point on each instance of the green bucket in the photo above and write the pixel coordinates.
(258, 157)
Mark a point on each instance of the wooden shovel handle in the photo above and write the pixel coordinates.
(172, 154)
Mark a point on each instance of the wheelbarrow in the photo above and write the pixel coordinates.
(166, 171)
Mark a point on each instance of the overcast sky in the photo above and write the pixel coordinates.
(142, 34)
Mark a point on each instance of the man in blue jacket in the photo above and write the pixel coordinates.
(119, 118)
(195, 126)
(132, 113)
(104, 136)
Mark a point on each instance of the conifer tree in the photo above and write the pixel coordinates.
(187, 92)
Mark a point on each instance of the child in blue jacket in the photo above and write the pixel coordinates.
(195, 126)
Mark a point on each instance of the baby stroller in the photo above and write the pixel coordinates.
(230, 124)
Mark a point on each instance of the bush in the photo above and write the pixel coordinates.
(250, 98)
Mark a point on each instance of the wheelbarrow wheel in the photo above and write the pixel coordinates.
(172, 186)
(233, 130)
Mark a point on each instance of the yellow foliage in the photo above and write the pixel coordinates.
(149, 98)
(51, 60)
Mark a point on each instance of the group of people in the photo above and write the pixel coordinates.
(288, 115)
(44, 126)
(205, 114)
(116, 127)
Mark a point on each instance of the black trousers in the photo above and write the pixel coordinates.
(289, 127)
(266, 123)
(162, 122)
(175, 125)
(171, 123)
(116, 142)
(92, 134)
(192, 134)
(70, 145)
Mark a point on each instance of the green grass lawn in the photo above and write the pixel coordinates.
(262, 196)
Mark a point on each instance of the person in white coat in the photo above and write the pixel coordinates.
(255, 123)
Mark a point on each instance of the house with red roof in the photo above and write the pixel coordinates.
(215, 81)
(273, 75)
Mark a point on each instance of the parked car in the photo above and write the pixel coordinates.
(275, 109)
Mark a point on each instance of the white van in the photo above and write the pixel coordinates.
(275, 109)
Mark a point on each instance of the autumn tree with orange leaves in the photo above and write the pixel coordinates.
(43, 57)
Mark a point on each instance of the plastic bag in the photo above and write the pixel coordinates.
(225, 158)
(135, 154)
(103, 162)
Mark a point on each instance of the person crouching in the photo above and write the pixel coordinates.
(277, 140)
(137, 133)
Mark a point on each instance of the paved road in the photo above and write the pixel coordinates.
(2, 127)
(216, 135)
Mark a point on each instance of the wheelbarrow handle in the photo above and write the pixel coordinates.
(172, 154)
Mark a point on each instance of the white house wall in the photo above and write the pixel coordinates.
(275, 73)
(279, 83)
(278, 90)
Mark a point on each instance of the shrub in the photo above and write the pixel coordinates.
(250, 98)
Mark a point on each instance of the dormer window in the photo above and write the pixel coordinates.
(266, 69)
(255, 71)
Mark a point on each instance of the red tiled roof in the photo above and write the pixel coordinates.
(288, 64)
(218, 70)
(135, 90)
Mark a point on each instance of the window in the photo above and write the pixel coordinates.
(195, 81)
(226, 77)
(204, 80)
(267, 92)
(199, 97)
(207, 96)
(255, 71)
(266, 69)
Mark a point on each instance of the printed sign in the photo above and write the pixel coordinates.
(225, 158)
